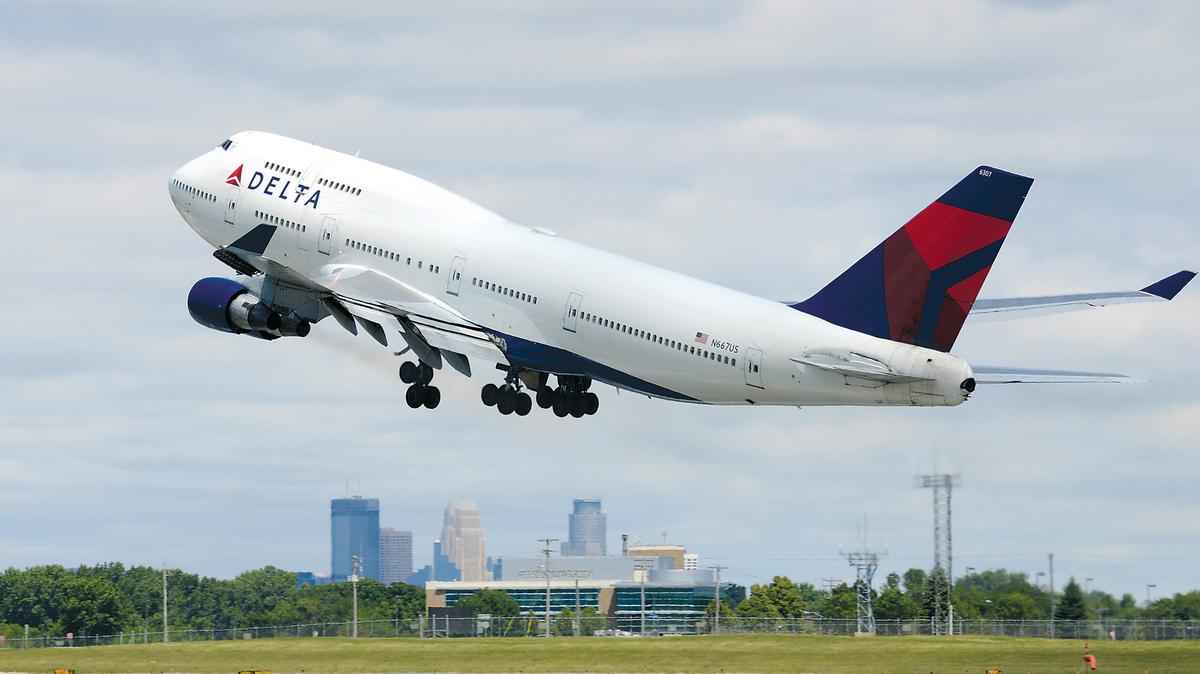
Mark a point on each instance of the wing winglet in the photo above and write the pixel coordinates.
(1169, 287)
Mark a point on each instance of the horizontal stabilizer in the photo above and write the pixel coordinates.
(853, 364)
(990, 374)
(1024, 307)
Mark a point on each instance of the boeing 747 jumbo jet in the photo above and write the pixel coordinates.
(316, 233)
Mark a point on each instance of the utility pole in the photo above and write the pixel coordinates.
(546, 549)
(943, 485)
(643, 566)
(1050, 555)
(354, 564)
(166, 636)
(577, 609)
(717, 586)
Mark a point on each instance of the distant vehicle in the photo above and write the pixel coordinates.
(318, 234)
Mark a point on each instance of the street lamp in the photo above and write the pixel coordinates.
(1148, 588)
(1086, 584)
(1038, 579)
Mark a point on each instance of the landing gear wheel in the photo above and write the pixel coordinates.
(408, 372)
(490, 394)
(545, 397)
(578, 406)
(414, 396)
(561, 409)
(592, 402)
(432, 397)
(508, 400)
(524, 404)
(424, 374)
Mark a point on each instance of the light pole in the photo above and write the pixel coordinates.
(1148, 588)
(717, 586)
(547, 550)
(1037, 579)
(1087, 582)
(643, 565)
(354, 562)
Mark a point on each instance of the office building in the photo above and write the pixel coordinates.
(442, 569)
(354, 531)
(463, 540)
(675, 599)
(395, 555)
(587, 527)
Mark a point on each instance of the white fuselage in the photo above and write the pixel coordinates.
(557, 306)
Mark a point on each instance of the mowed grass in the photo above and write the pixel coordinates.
(728, 653)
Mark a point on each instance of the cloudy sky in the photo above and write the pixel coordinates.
(764, 146)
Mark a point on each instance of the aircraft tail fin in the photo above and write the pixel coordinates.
(919, 285)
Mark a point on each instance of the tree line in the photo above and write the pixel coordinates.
(113, 598)
(989, 595)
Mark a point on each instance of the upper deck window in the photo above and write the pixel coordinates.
(227, 144)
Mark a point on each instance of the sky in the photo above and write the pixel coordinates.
(764, 146)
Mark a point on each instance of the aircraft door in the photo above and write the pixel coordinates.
(328, 228)
(456, 269)
(231, 205)
(753, 368)
(571, 314)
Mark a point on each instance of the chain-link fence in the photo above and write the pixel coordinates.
(633, 625)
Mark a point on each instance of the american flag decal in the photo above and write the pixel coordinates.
(702, 337)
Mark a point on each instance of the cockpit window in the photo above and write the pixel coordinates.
(227, 144)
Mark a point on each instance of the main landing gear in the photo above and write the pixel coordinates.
(420, 392)
(508, 398)
(571, 397)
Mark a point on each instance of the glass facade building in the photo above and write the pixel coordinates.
(354, 531)
(587, 527)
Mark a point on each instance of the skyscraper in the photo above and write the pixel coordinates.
(588, 530)
(395, 555)
(354, 530)
(463, 540)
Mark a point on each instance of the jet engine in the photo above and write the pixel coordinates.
(228, 306)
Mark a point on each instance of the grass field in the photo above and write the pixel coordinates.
(728, 653)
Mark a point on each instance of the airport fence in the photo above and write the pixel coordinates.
(616, 626)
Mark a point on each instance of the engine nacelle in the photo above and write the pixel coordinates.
(228, 306)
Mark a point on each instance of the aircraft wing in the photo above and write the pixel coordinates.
(1023, 307)
(373, 297)
(991, 374)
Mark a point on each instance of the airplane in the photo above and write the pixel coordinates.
(314, 233)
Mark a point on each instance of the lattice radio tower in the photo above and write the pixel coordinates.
(942, 578)
(865, 563)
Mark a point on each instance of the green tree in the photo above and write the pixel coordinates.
(916, 582)
(757, 606)
(784, 595)
(1071, 605)
(894, 604)
(564, 623)
(494, 602)
(841, 603)
(590, 621)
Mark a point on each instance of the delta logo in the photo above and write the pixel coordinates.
(272, 187)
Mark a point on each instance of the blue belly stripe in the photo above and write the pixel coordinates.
(536, 356)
